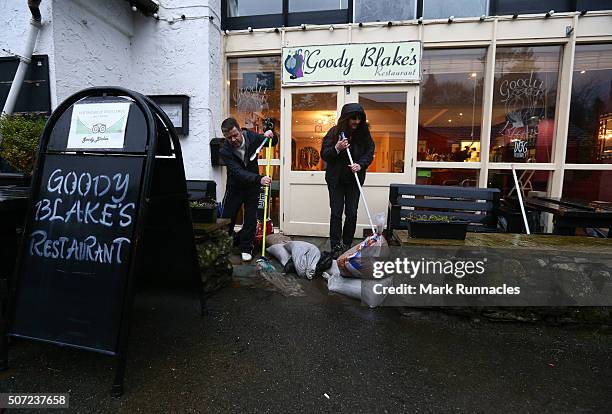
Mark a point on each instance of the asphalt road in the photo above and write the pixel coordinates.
(260, 351)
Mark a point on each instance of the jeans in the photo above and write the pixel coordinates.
(343, 197)
(231, 205)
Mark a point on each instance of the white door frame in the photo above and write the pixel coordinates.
(376, 182)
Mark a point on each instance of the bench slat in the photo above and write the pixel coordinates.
(443, 191)
(445, 203)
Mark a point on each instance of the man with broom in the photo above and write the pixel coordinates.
(243, 179)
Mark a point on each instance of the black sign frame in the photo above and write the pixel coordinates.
(153, 116)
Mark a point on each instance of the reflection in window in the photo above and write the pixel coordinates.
(313, 114)
(451, 105)
(316, 5)
(524, 101)
(500, 7)
(589, 137)
(384, 10)
(254, 90)
(588, 185)
(447, 176)
(529, 180)
(239, 8)
(386, 114)
(442, 9)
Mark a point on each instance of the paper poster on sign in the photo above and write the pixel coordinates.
(98, 125)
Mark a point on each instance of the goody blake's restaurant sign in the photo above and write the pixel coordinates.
(349, 63)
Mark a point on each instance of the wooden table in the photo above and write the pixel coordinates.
(515, 241)
(569, 214)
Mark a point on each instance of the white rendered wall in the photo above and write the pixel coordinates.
(14, 26)
(184, 58)
(104, 43)
(92, 44)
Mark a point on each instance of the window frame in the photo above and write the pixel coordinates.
(286, 19)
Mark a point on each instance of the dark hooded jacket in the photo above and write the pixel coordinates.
(362, 149)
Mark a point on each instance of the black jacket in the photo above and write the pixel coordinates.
(244, 174)
(362, 151)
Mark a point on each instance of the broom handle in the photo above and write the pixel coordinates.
(361, 190)
(265, 217)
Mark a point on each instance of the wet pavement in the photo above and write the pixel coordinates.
(261, 349)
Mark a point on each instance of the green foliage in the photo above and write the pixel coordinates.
(20, 138)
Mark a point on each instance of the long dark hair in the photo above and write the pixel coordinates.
(343, 126)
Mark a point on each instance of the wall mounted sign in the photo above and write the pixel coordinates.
(350, 63)
(177, 109)
(98, 125)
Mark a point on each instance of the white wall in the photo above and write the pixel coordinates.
(92, 44)
(104, 43)
(14, 26)
(184, 57)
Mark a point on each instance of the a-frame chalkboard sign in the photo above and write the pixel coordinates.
(109, 165)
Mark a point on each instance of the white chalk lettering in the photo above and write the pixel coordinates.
(90, 249)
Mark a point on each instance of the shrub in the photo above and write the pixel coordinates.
(20, 137)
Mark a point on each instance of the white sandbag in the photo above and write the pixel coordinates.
(334, 270)
(305, 257)
(279, 252)
(362, 289)
(348, 287)
(367, 291)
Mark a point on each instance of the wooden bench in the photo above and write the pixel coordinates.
(478, 206)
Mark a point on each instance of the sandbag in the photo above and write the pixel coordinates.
(362, 289)
(350, 262)
(305, 257)
(279, 252)
(277, 238)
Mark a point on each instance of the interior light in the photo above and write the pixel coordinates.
(583, 71)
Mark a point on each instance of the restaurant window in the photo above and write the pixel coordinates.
(450, 109)
(447, 176)
(589, 136)
(241, 14)
(588, 185)
(529, 180)
(524, 103)
(313, 114)
(386, 112)
(594, 5)
(316, 5)
(384, 10)
(254, 93)
(241, 8)
(500, 7)
(442, 9)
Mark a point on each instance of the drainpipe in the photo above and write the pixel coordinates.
(25, 59)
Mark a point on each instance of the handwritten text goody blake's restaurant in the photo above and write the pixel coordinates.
(95, 201)
(375, 62)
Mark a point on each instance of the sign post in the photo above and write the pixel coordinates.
(96, 189)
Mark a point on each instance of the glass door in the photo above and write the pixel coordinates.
(308, 113)
(391, 116)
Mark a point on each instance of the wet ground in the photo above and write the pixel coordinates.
(262, 350)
